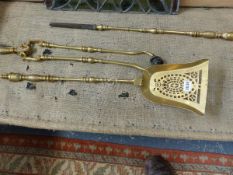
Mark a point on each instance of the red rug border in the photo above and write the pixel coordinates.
(46, 142)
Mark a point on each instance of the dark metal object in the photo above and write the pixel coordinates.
(145, 6)
(73, 25)
(156, 60)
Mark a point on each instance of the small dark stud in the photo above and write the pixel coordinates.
(156, 60)
(47, 52)
(31, 86)
(27, 68)
(72, 92)
(124, 95)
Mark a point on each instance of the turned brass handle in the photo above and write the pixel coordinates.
(208, 34)
(17, 77)
(212, 35)
(9, 50)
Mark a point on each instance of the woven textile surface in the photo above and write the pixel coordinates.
(25, 154)
(100, 107)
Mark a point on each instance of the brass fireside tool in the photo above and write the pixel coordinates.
(25, 51)
(207, 34)
(177, 85)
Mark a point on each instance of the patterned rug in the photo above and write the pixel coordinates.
(28, 154)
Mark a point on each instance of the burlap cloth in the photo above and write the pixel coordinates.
(98, 108)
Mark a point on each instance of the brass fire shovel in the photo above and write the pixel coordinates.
(178, 85)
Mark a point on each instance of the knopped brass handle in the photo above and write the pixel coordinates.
(17, 77)
(207, 34)
(8, 50)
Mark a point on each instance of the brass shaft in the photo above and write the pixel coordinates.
(206, 34)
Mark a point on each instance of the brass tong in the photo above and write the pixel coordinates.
(25, 51)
